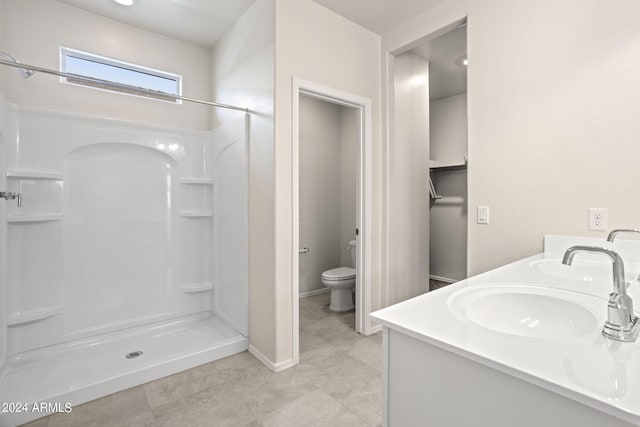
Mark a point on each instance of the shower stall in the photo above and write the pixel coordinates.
(124, 254)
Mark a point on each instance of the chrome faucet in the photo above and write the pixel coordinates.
(621, 324)
(612, 235)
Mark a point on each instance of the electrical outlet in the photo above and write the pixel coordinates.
(597, 219)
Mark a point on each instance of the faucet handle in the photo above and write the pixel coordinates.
(621, 324)
(10, 195)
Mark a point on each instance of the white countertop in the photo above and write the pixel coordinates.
(601, 373)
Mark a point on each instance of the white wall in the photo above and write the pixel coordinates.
(320, 184)
(552, 92)
(243, 74)
(317, 45)
(3, 234)
(328, 149)
(448, 227)
(33, 32)
(448, 216)
(349, 137)
(226, 157)
(3, 222)
(408, 192)
(448, 132)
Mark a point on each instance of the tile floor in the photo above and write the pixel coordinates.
(337, 383)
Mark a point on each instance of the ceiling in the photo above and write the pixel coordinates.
(204, 22)
(200, 22)
(379, 16)
(447, 76)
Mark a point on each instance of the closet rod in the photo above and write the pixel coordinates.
(119, 86)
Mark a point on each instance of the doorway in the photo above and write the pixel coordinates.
(360, 108)
(427, 163)
(448, 146)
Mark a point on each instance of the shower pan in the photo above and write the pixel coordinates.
(127, 259)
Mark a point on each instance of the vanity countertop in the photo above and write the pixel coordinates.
(586, 367)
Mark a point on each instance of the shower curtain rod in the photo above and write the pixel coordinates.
(122, 87)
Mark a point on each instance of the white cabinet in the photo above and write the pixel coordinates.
(426, 385)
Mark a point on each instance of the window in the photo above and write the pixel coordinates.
(127, 76)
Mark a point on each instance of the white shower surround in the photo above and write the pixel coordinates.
(131, 237)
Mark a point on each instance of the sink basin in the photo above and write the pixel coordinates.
(528, 311)
(587, 271)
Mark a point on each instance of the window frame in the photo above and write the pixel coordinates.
(66, 52)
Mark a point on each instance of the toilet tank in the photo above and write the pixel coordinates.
(352, 249)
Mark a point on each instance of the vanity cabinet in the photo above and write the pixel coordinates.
(427, 385)
(520, 345)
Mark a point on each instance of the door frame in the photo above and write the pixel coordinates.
(364, 202)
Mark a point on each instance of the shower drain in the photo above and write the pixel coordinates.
(133, 354)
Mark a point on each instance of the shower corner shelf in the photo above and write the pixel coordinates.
(21, 318)
(29, 218)
(196, 214)
(196, 181)
(34, 174)
(193, 288)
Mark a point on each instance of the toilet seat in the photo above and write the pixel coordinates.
(340, 273)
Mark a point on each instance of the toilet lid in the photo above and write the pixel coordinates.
(339, 273)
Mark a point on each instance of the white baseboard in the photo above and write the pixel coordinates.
(314, 292)
(275, 367)
(375, 328)
(443, 279)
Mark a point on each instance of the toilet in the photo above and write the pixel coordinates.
(342, 282)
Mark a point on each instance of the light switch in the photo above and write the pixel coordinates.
(483, 214)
